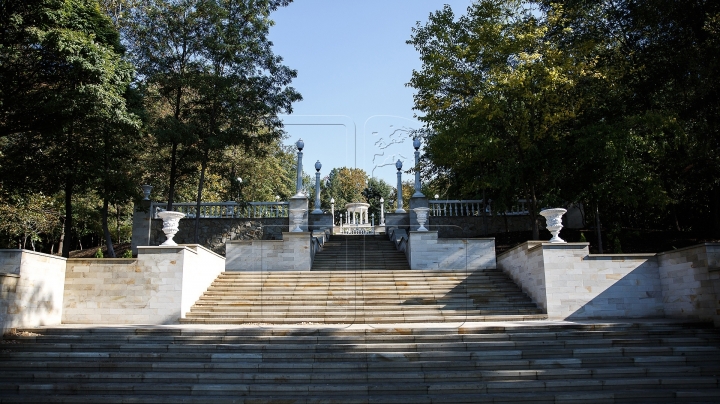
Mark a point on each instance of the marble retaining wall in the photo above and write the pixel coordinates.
(31, 289)
(292, 253)
(158, 287)
(569, 283)
(425, 251)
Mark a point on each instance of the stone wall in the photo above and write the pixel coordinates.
(570, 283)
(158, 287)
(31, 289)
(524, 264)
(292, 253)
(473, 226)
(214, 232)
(691, 282)
(426, 251)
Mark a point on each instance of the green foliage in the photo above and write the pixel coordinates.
(127, 254)
(99, 253)
(28, 217)
(582, 238)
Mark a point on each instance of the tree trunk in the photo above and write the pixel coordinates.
(117, 223)
(62, 237)
(67, 225)
(201, 183)
(597, 227)
(106, 230)
(173, 169)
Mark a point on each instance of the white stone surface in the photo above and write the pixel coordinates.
(426, 251)
(32, 289)
(569, 283)
(156, 288)
(292, 253)
(690, 282)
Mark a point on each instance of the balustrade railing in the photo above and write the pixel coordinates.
(250, 210)
(471, 208)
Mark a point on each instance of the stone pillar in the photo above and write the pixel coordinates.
(141, 225)
(417, 194)
(298, 186)
(382, 211)
(399, 209)
(317, 210)
(299, 202)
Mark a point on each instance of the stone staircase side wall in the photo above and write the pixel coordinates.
(156, 288)
(569, 283)
(690, 280)
(31, 289)
(292, 253)
(583, 286)
(524, 265)
(425, 251)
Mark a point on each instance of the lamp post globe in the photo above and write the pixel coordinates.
(300, 144)
(318, 166)
(416, 143)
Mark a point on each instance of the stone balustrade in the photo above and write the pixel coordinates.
(249, 210)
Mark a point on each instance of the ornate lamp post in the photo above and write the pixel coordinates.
(298, 187)
(318, 166)
(382, 211)
(416, 145)
(332, 209)
(399, 209)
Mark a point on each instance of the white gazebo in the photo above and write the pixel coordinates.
(357, 213)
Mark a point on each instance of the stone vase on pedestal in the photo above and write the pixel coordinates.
(422, 214)
(171, 222)
(553, 218)
(297, 215)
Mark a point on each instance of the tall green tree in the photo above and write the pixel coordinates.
(493, 95)
(243, 85)
(62, 78)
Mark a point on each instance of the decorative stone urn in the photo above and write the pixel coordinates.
(171, 221)
(422, 214)
(553, 218)
(146, 192)
(297, 218)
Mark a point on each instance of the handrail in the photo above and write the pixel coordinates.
(231, 209)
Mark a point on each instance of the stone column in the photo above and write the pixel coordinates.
(417, 194)
(298, 186)
(382, 211)
(317, 210)
(399, 209)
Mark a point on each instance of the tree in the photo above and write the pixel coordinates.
(63, 70)
(494, 95)
(377, 189)
(243, 85)
(346, 185)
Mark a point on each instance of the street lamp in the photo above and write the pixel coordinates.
(318, 166)
(416, 145)
(399, 209)
(298, 187)
(332, 209)
(382, 211)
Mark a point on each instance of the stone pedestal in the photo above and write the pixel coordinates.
(321, 221)
(417, 202)
(142, 223)
(299, 202)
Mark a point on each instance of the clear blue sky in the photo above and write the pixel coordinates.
(353, 63)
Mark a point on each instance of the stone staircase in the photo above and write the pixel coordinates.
(349, 253)
(533, 362)
(362, 297)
